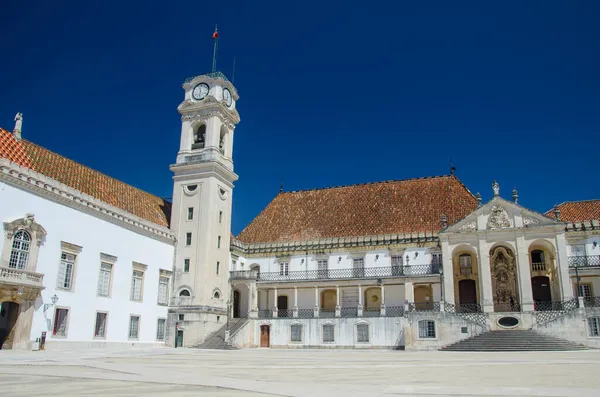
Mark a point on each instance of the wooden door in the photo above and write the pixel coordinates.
(467, 293)
(282, 306)
(179, 338)
(540, 288)
(265, 332)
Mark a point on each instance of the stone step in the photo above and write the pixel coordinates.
(513, 340)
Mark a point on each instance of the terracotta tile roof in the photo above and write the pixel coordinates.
(85, 179)
(577, 211)
(413, 205)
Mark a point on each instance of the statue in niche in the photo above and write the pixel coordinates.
(498, 218)
(504, 280)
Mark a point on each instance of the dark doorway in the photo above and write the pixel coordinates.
(236, 304)
(9, 312)
(542, 295)
(282, 306)
(179, 338)
(467, 295)
(265, 333)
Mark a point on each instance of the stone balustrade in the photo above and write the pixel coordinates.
(21, 277)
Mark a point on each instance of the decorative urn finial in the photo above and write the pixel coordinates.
(478, 198)
(496, 188)
(444, 221)
(515, 195)
(556, 213)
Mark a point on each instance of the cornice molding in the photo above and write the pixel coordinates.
(41, 185)
(331, 243)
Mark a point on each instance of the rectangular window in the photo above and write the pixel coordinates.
(218, 267)
(61, 317)
(188, 238)
(397, 265)
(163, 290)
(134, 327)
(284, 269)
(190, 213)
(362, 333)
(594, 326)
(296, 331)
(220, 216)
(136, 285)
(322, 269)
(436, 258)
(100, 328)
(219, 242)
(328, 333)
(465, 261)
(585, 290)
(426, 329)
(104, 279)
(181, 317)
(65, 271)
(160, 329)
(358, 267)
(186, 265)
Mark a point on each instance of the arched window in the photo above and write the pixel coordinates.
(184, 292)
(222, 136)
(199, 137)
(466, 265)
(20, 250)
(217, 295)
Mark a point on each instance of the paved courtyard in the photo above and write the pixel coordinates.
(263, 372)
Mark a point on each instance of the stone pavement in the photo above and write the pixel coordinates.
(264, 372)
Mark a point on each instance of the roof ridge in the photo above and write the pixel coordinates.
(91, 168)
(372, 183)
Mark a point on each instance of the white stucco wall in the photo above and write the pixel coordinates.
(95, 236)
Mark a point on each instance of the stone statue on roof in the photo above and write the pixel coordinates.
(18, 125)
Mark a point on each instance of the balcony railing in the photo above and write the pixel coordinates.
(22, 277)
(584, 261)
(338, 274)
(345, 312)
(466, 271)
(538, 266)
(593, 301)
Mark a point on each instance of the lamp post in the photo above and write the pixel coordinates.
(54, 299)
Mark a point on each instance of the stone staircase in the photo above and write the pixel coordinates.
(217, 339)
(499, 341)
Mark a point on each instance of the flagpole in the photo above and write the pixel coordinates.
(216, 37)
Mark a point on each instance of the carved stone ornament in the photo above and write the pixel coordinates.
(498, 218)
(27, 223)
(504, 279)
(208, 113)
(471, 225)
(530, 221)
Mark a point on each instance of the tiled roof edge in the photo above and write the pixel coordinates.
(332, 243)
(47, 187)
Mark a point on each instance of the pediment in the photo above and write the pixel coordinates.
(498, 214)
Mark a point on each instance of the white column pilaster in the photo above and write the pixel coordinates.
(524, 270)
(316, 312)
(382, 308)
(338, 309)
(275, 309)
(295, 312)
(448, 275)
(409, 294)
(252, 301)
(562, 263)
(360, 301)
(485, 276)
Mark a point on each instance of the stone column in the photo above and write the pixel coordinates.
(275, 309)
(524, 270)
(338, 309)
(562, 263)
(448, 275)
(316, 312)
(359, 309)
(382, 308)
(409, 294)
(485, 277)
(252, 301)
(295, 313)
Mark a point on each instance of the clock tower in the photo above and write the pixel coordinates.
(201, 213)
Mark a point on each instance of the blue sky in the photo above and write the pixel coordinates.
(331, 93)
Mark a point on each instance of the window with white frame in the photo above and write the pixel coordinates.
(397, 263)
(362, 333)
(134, 327)
(594, 326)
(66, 271)
(100, 327)
(163, 290)
(188, 238)
(104, 279)
(61, 318)
(322, 268)
(358, 267)
(296, 333)
(284, 269)
(137, 281)
(160, 329)
(186, 265)
(426, 329)
(20, 250)
(328, 333)
(585, 290)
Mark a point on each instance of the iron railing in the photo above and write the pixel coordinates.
(239, 324)
(338, 274)
(462, 308)
(306, 313)
(349, 312)
(326, 313)
(593, 301)
(285, 313)
(265, 314)
(371, 312)
(556, 305)
(394, 311)
(584, 261)
(424, 306)
(213, 75)
(538, 266)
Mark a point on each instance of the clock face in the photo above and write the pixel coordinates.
(200, 91)
(227, 97)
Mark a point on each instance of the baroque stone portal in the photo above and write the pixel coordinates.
(504, 280)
